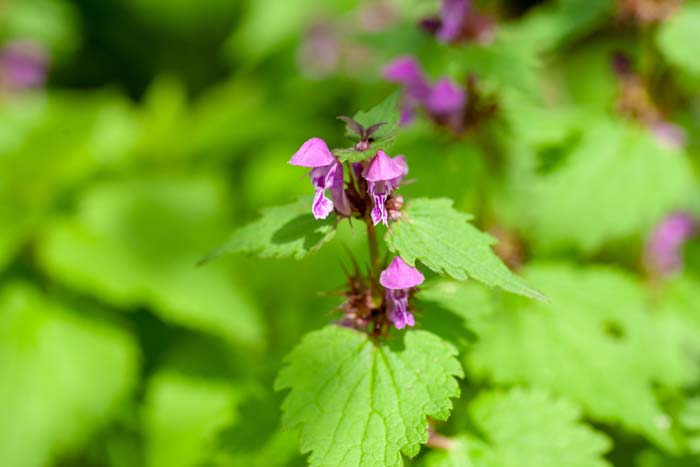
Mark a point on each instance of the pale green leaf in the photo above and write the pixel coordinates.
(282, 231)
(592, 339)
(676, 36)
(359, 403)
(136, 243)
(182, 417)
(609, 181)
(524, 428)
(433, 232)
(61, 377)
(387, 112)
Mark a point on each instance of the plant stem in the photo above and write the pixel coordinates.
(375, 260)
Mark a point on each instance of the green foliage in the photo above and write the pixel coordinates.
(63, 375)
(578, 201)
(677, 33)
(148, 235)
(362, 403)
(283, 231)
(164, 125)
(386, 112)
(182, 417)
(524, 428)
(600, 324)
(433, 232)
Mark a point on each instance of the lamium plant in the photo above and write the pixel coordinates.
(363, 389)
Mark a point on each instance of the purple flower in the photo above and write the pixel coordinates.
(408, 72)
(383, 175)
(326, 174)
(23, 65)
(664, 251)
(453, 14)
(445, 98)
(398, 278)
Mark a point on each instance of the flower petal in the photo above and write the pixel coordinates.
(313, 153)
(383, 168)
(445, 97)
(399, 275)
(322, 206)
(453, 14)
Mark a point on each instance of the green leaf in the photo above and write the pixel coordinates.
(677, 33)
(62, 376)
(387, 112)
(652, 458)
(182, 418)
(282, 231)
(524, 428)
(353, 155)
(148, 235)
(594, 338)
(597, 187)
(433, 232)
(362, 404)
(85, 134)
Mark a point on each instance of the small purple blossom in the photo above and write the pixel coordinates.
(444, 100)
(398, 278)
(453, 13)
(326, 174)
(664, 251)
(23, 65)
(407, 71)
(383, 175)
(459, 21)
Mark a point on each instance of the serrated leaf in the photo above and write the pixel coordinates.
(148, 235)
(433, 232)
(282, 231)
(524, 428)
(386, 112)
(182, 418)
(61, 376)
(592, 339)
(361, 404)
(677, 33)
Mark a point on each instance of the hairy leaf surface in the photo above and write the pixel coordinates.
(363, 404)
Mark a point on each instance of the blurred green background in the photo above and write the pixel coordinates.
(164, 124)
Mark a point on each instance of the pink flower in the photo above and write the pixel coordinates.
(664, 251)
(326, 174)
(398, 278)
(383, 175)
(444, 99)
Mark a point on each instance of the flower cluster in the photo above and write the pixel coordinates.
(444, 100)
(368, 194)
(457, 108)
(379, 177)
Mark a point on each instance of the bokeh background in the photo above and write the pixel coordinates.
(135, 135)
